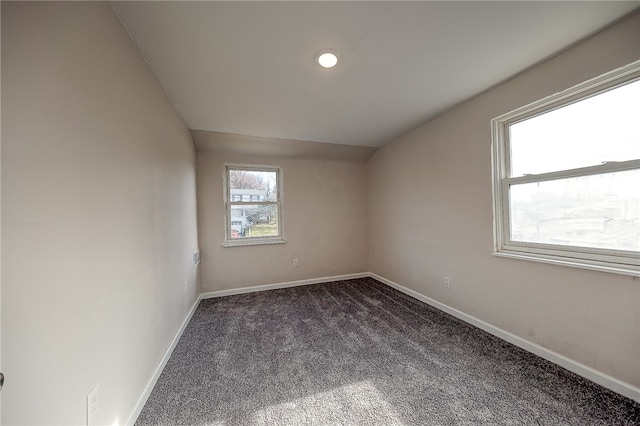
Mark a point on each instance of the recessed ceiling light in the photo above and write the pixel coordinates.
(327, 58)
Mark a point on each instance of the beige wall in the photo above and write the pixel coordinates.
(98, 215)
(325, 217)
(437, 180)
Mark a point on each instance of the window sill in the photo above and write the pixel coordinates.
(254, 242)
(620, 269)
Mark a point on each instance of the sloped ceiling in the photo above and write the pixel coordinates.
(248, 67)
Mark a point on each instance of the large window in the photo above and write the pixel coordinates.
(567, 176)
(253, 201)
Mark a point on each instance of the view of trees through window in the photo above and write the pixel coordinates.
(253, 203)
(554, 202)
(600, 211)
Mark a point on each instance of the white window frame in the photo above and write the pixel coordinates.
(615, 261)
(279, 203)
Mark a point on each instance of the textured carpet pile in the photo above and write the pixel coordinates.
(358, 352)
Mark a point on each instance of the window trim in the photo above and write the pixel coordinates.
(279, 203)
(606, 260)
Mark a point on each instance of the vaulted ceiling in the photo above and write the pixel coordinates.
(249, 67)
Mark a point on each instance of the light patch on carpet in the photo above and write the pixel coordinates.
(351, 404)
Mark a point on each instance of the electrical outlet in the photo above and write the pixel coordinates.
(196, 257)
(93, 404)
(447, 282)
(295, 262)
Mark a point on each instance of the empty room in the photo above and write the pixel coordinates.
(320, 213)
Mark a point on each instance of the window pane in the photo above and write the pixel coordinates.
(248, 183)
(601, 211)
(601, 128)
(254, 220)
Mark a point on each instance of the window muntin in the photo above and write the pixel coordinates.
(253, 201)
(567, 176)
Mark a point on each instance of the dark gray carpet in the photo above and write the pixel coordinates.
(360, 353)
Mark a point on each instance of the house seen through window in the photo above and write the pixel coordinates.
(253, 197)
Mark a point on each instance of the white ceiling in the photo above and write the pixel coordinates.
(248, 67)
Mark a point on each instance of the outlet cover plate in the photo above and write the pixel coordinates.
(93, 404)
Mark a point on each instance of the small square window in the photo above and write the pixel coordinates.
(253, 199)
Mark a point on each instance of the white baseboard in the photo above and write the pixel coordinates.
(254, 289)
(156, 374)
(585, 371)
